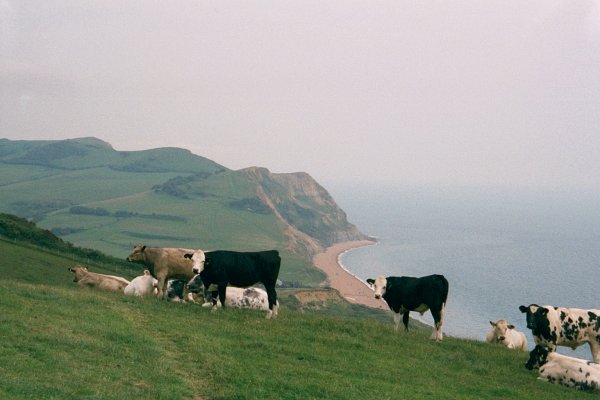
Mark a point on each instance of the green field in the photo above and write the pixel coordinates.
(63, 342)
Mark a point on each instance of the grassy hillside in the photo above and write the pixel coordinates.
(63, 342)
(94, 196)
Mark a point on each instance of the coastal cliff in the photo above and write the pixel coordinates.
(312, 218)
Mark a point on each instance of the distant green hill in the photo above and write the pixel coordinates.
(96, 197)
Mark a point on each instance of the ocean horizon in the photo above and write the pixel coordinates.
(498, 248)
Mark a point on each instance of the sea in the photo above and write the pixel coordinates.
(499, 248)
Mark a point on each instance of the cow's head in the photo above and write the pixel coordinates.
(78, 272)
(500, 328)
(138, 254)
(379, 285)
(537, 357)
(198, 260)
(195, 284)
(536, 316)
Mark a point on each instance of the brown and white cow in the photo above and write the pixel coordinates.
(505, 334)
(561, 326)
(164, 263)
(144, 285)
(564, 370)
(84, 278)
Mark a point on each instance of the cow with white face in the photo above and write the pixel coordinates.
(223, 268)
(562, 326)
(405, 293)
(505, 334)
(198, 258)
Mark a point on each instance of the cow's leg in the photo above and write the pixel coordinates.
(595, 348)
(405, 320)
(396, 321)
(438, 319)
(162, 287)
(222, 293)
(273, 305)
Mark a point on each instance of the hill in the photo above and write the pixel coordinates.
(63, 342)
(94, 196)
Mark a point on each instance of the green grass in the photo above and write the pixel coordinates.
(62, 342)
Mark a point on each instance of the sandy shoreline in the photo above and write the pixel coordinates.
(352, 288)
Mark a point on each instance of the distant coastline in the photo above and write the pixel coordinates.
(349, 285)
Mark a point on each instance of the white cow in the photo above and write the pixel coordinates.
(144, 285)
(564, 370)
(504, 333)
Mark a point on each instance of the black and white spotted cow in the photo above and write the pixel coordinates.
(564, 370)
(251, 298)
(404, 294)
(561, 326)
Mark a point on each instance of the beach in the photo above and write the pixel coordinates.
(351, 287)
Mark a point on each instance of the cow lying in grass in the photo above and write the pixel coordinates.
(505, 334)
(252, 298)
(564, 370)
(144, 285)
(84, 278)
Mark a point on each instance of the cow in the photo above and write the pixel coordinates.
(561, 326)
(84, 278)
(505, 334)
(164, 263)
(251, 298)
(177, 291)
(404, 294)
(144, 285)
(240, 269)
(564, 370)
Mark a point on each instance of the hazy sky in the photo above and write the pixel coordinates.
(440, 92)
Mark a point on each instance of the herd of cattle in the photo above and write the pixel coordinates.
(225, 278)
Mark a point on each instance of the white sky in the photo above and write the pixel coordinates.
(446, 92)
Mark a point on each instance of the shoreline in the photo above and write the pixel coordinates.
(349, 285)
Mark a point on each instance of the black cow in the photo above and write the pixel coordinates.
(404, 294)
(241, 269)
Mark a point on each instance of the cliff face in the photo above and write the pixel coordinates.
(313, 219)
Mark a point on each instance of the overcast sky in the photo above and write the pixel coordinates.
(439, 92)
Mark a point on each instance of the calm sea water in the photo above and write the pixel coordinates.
(498, 249)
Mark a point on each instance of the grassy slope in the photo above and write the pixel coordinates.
(59, 341)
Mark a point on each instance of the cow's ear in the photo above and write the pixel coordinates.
(371, 281)
(492, 324)
(543, 311)
(143, 248)
(188, 256)
(511, 326)
(523, 309)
